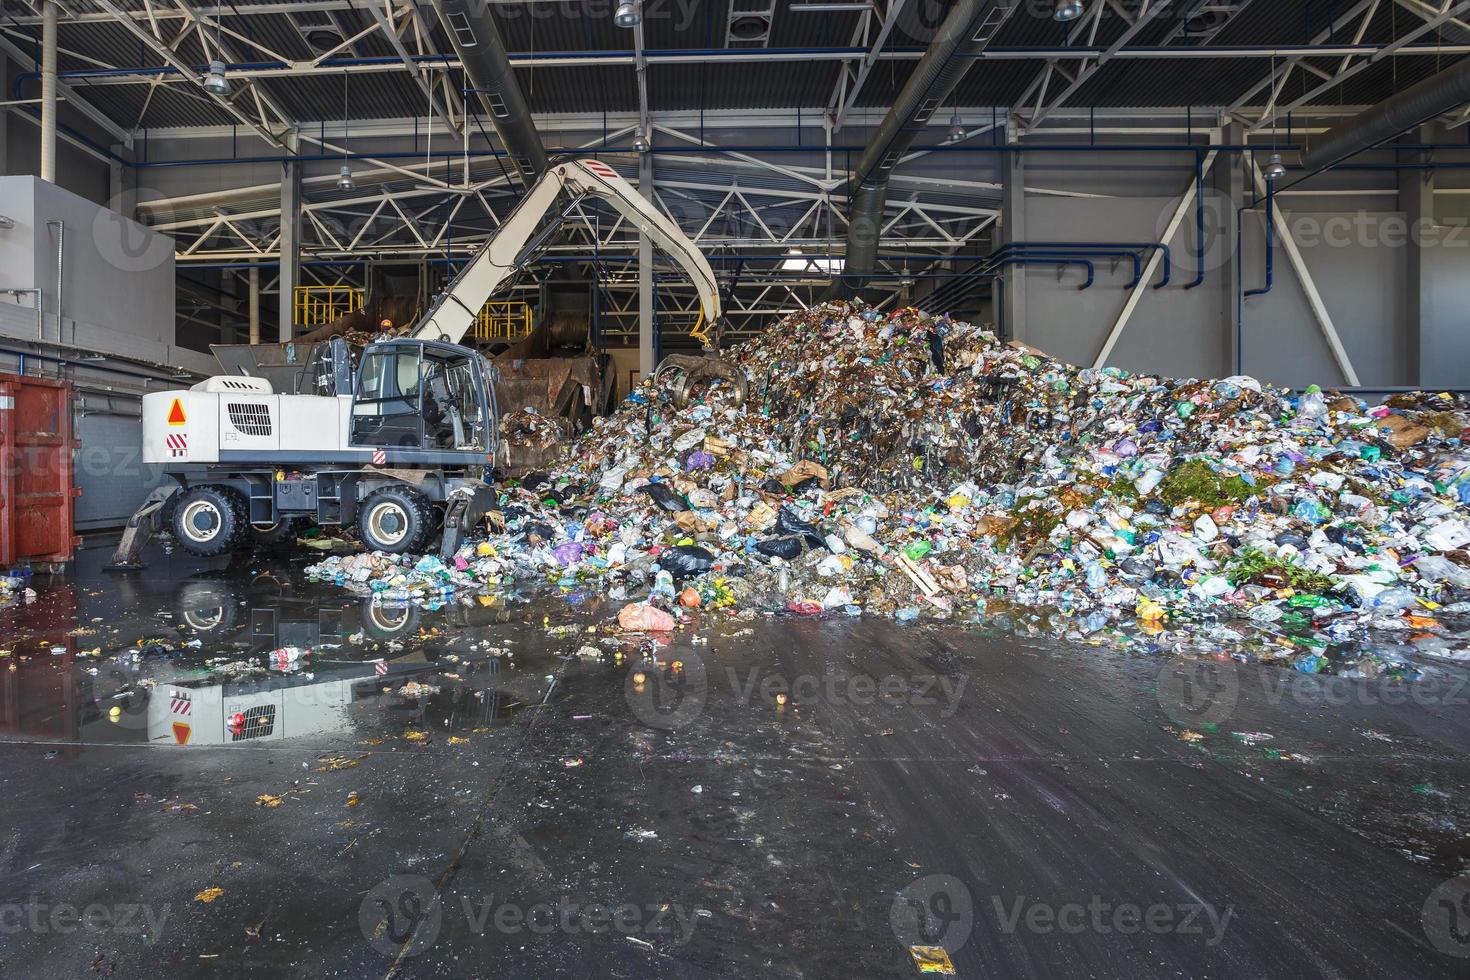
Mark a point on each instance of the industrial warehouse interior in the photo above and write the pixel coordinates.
(735, 488)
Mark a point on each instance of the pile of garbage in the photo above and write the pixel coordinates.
(913, 465)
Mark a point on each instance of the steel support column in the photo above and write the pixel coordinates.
(1416, 200)
(1012, 223)
(1222, 248)
(254, 281)
(290, 271)
(645, 275)
(48, 91)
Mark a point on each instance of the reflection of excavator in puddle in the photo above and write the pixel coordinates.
(343, 653)
(399, 435)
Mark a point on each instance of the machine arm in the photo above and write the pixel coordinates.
(515, 241)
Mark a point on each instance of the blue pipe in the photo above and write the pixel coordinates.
(1270, 242)
(1081, 249)
(1199, 222)
(988, 266)
(1139, 246)
(1091, 268)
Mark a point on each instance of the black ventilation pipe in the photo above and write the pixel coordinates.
(966, 31)
(481, 51)
(1418, 103)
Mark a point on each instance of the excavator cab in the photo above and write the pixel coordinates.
(423, 395)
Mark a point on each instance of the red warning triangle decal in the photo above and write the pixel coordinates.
(176, 413)
(181, 733)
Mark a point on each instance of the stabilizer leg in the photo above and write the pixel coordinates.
(145, 522)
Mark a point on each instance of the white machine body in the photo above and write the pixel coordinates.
(192, 427)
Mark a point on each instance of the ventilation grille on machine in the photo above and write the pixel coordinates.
(251, 420)
(260, 722)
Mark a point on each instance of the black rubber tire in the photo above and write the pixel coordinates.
(206, 607)
(197, 507)
(386, 621)
(396, 519)
(283, 531)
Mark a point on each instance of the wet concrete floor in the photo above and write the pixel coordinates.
(461, 794)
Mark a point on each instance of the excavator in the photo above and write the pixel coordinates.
(399, 436)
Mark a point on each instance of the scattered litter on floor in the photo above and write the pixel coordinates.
(912, 466)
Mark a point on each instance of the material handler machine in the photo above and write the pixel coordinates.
(398, 436)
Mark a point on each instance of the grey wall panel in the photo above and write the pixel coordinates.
(110, 471)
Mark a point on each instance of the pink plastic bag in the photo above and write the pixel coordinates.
(641, 616)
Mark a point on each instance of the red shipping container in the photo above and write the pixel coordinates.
(37, 491)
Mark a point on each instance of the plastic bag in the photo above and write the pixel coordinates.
(789, 548)
(665, 497)
(788, 523)
(641, 616)
(686, 560)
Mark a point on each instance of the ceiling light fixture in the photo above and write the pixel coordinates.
(956, 130)
(344, 175)
(627, 14)
(640, 141)
(215, 83)
(1068, 10)
(1275, 169)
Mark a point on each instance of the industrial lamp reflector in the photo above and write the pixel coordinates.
(344, 178)
(1066, 10)
(627, 14)
(215, 81)
(640, 141)
(1275, 169)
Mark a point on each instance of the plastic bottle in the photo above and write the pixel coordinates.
(1391, 601)
(1312, 405)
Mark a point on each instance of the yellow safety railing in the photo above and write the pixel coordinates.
(503, 320)
(316, 305)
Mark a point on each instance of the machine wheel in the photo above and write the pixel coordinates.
(396, 520)
(388, 621)
(280, 532)
(209, 520)
(209, 607)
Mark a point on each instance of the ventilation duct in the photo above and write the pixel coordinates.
(966, 31)
(478, 44)
(1414, 105)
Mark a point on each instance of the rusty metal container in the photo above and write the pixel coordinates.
(37, 484)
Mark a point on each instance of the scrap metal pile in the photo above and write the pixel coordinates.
(914, 466)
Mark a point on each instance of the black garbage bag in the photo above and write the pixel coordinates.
(665, 497)
(686, 561)
(772, 485)
(531, 481)
(537, 529)
(806, 486)
(788, 523)
(789, 548)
